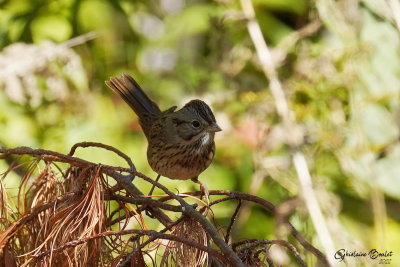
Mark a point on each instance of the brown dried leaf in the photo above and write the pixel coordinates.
(178, 254)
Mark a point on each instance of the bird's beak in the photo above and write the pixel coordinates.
(214, 128)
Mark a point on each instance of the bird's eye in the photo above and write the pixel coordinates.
(196, 124)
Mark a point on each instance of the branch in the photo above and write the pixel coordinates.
(267, 206)
(124, 181)
(153, 238)
(256, 242)
(146, 201)
(189, 211)
(233, 218)
(107, 147)
(151, 233)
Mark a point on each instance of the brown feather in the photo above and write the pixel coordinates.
(133, 95)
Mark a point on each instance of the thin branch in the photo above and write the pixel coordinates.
(283, 212)
(253, 243)
(233, 218)
(270, 208)
(147, 202)
(81, 39)
(107, 147)
(124, 181)
(266, 61)
(122, 217)
(152, 188)
(188, 210)
(312, 204)
(230, 195)
(151, 239)
(151, 233)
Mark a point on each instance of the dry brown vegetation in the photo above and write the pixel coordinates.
(68, 213)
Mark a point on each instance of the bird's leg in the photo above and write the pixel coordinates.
(151, 192)
(152, 188)
(203, 189)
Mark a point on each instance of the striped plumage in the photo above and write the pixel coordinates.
(180, 143)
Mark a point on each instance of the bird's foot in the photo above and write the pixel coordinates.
(204, 191)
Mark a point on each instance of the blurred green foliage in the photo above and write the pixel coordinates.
(342, 82)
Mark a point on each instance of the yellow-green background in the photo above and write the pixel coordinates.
(342, 83)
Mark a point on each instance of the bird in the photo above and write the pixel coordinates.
(180, 142)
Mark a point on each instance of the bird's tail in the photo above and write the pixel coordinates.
(133, 95)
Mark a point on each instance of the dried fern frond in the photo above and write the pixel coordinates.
(178, 254)
(53, 211)
(83, 217)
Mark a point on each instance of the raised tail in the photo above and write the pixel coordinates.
(133, 95)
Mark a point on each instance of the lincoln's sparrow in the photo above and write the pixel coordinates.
(181, 143)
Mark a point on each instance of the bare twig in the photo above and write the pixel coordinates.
(188, 210)
(312, 204)
(152, 188)
(152, 239)
(252, 243)
(107, 147)
(266, 61)
(151, 233)
(81, 39)
(147, 202)
(283, 211)
(233, 218)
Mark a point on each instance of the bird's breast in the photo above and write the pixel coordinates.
(180, 161)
